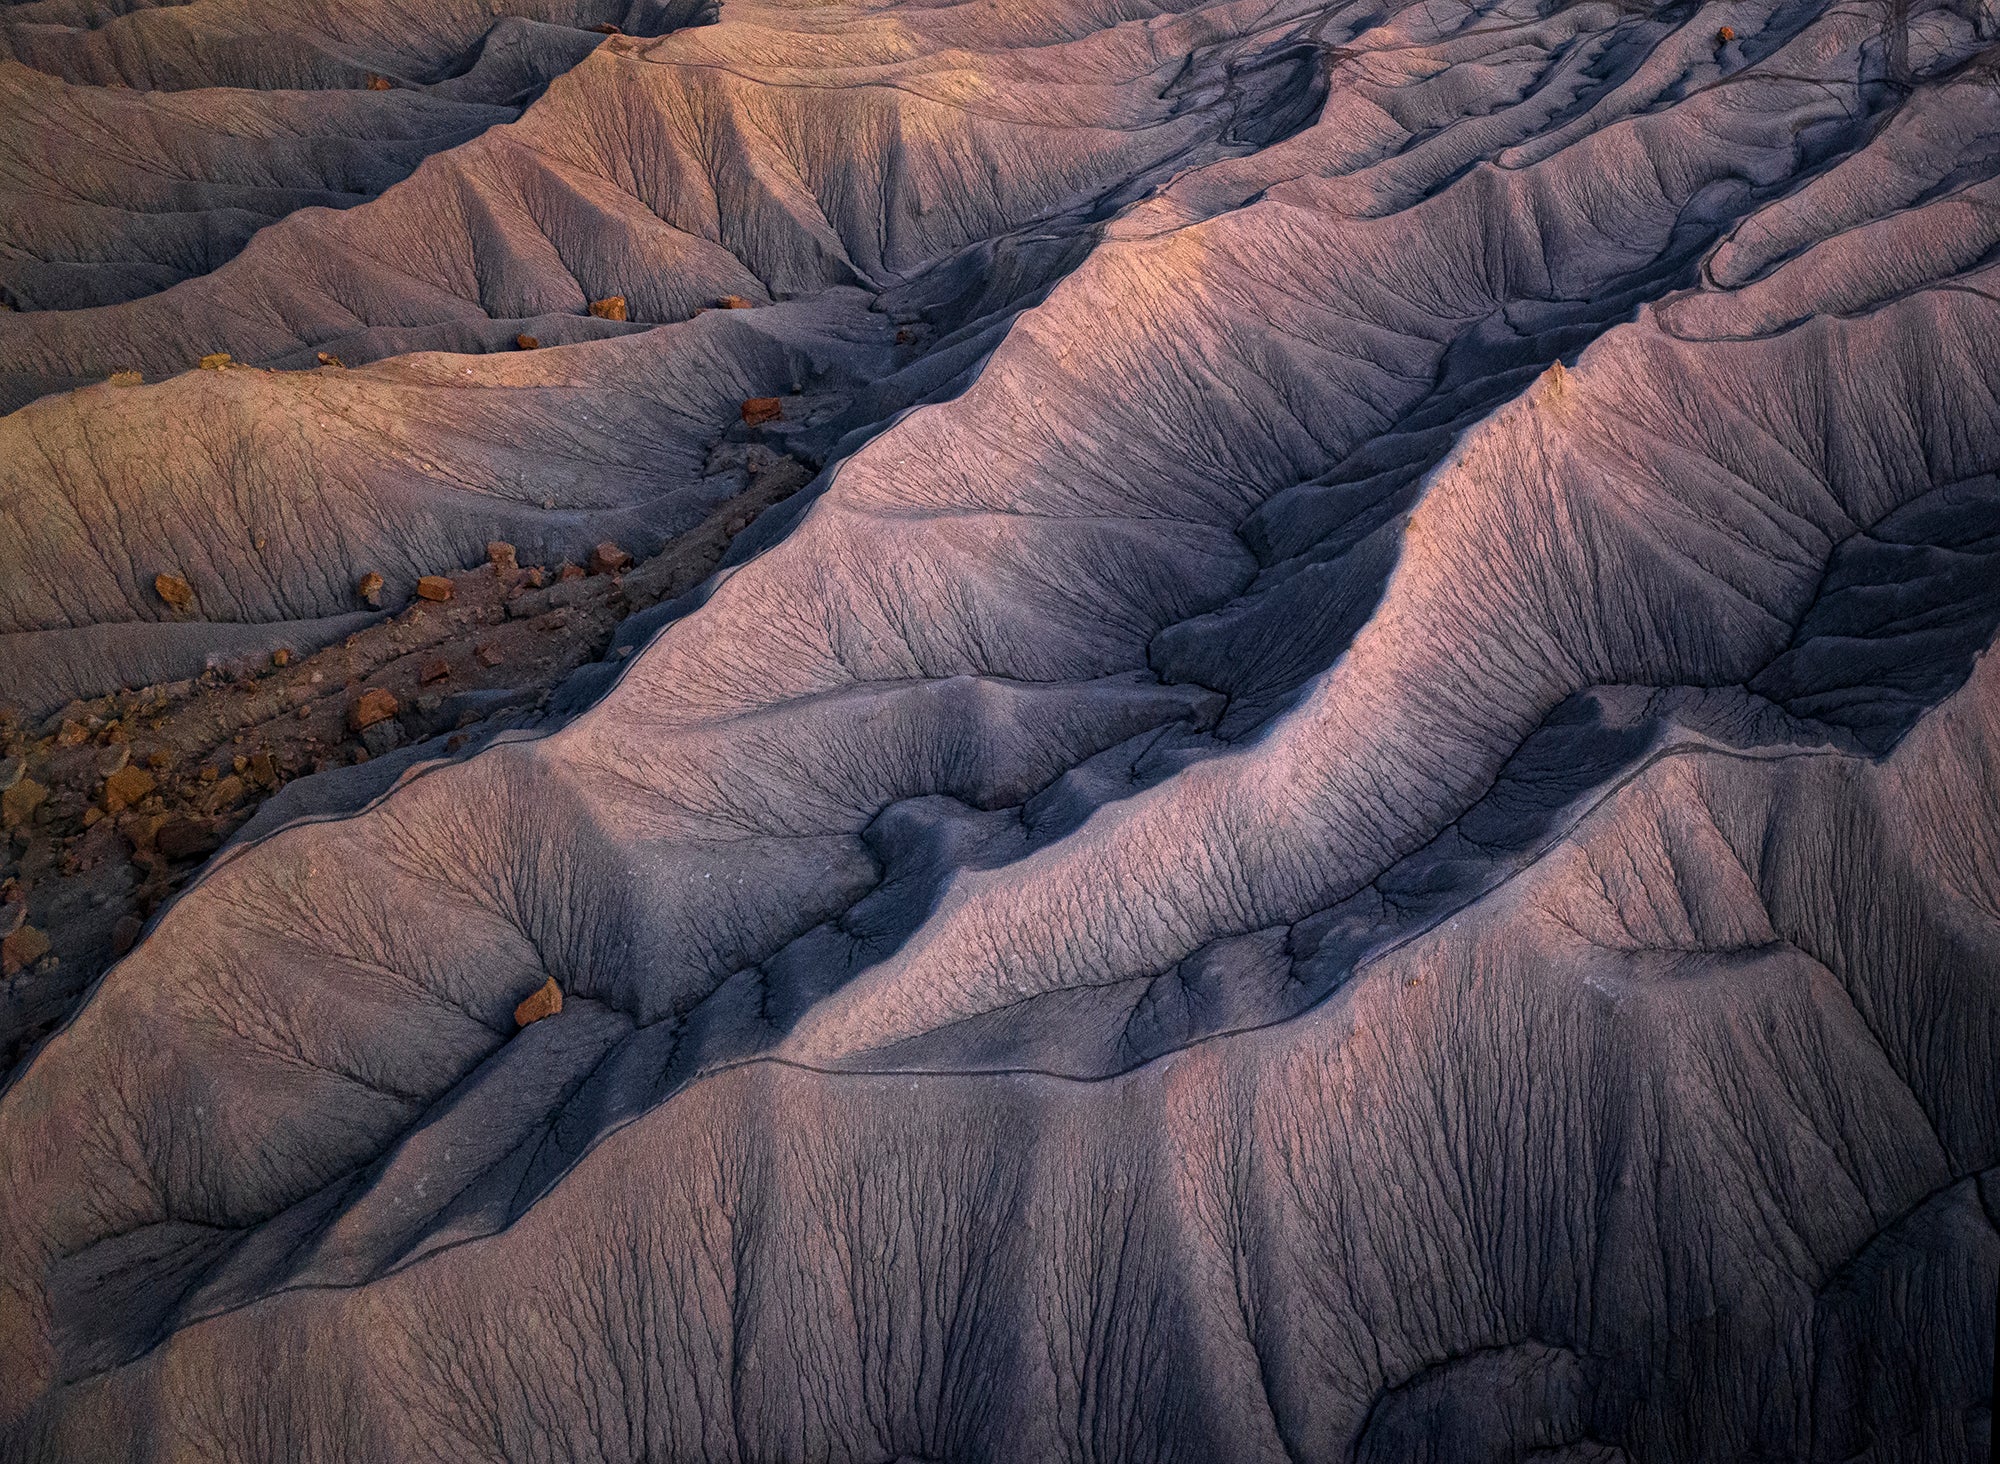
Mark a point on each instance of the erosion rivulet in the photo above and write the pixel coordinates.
(1357, 819)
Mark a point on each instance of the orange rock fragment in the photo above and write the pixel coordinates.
(546, 1002)
(1724, 36)
(378, 83)
(500, 554)
(125, 378)
(435, 587)
(224, 794)
(759, 410)
(434, 671)
(377, 704)
(138, 830)
(126, 787)
(369, 588)
(526, 343)
(23, 948)
(733, 302)
(215, 361)
(327, 358)
(176, 591)
(608, 558)
(606, 28)
(18, 803)
(611, 307)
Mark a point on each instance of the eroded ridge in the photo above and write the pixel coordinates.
(147, 144)
(1356, 820)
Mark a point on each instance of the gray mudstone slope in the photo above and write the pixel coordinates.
(147, 143)
(1360, 820)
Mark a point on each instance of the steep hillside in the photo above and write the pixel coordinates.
(1358, 817)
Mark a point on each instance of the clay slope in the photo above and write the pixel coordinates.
(123, 193)
(293, 45)
(1356, 822)
(147, 146)
(658, 177)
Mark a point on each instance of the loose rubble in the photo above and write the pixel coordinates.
(109, 806)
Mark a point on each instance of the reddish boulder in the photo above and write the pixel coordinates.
(608, 558)
(377, 704)
(546, 1002)
(126, 787)
(177, 592)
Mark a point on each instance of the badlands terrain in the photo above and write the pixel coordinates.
(1022, 730)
